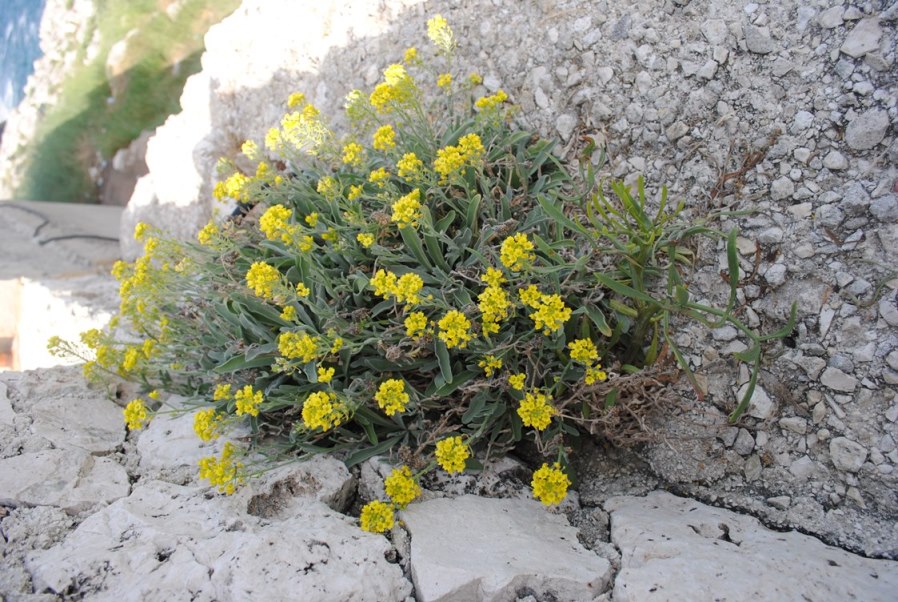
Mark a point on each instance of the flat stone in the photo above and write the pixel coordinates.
(863, 38)
(165, 540)
(835, 161)
(796, 424)
(676, 130)
(744, 443)
(508, 545)
(70, 479)
(663, 538)
(885, 208)
(838, 381)
(831, 17)
(758, 40)
(95, 425)
(782, 188)
(888, 308)
(846, 454)
(760, 406)
(867, 129)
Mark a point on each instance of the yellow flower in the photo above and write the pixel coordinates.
(288, 313)
(594, 374)
(415, 324)
(250, 150)
(140, 231)
(410, 55)
(488, 103)
(471, 148)
(337, 345)
(223, 472)
(130, 361)
(235, 187)
(535, 411)
(298, 345)
(516, 252)
(379, 176)
(325, 375)
(475, 79)
(207, 424)
(551, 314)
(355, 192)
(401, 487)
(451, 454)
(530, 296)
(248, 401)
(323, 410)
(328, 187)
(384, 283)
(384, 138)
(262, 278)
(274, 226)
(135, 414)
(449, 160)
(365, 239)
(494, 305)
(377, 517)
(222, 392)
(550, 484)
(398, 88)
(444, 80)
(296, 99)
(516, 381)
(207, 234)
(455, 329)
(302, 290)
(312, 219)
(353, 153)
(407, 288)
(391, 396)
(407, 210)
(490, 364)
(493, 277)
(409, 166)
(440, 33)
(584, 351)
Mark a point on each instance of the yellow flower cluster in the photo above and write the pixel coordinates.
(551, 314)
(452, 453)
(410, 55)
(207, 424)
(207, 235)
(384, 138)
(450, 159)
(379, 177)
(455, 329)
(328, 187)
(325, 374)
(223, 472)
(391, 396)
(135, 414)
(488, 103)
(416, 324)
(397, 89)
(494, 305)
(535, 410)
(377, 517)
(444, 80)
(595, 374)
(401, 487)
(516, 381)
(583, 351)
(222, 392)
(323, 410)
(407, 210)
(493, 277)
(365, 239)
(410, 167)
(440, 33)
(490, 364)
(516, 252)
(234, 187)
(274, 224)
(263, 279)
(353, 154)
(247, 401)
(298, 345)
(405, 288)
(300, 131)
(550, 484)
(250, 150)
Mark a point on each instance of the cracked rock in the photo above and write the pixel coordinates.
(867, 129)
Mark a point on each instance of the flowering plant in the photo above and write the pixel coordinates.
(426, 286)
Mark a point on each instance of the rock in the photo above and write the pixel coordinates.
(846, 454)
(837, 380)
(663, 537)
(802, 121)
(835, 161)
(867, 129)
(775, 275)
(94, 425)
(831, 17)
(164, 540)
(70, 479)
(782, 188)
(565, 125)
(888, 308)
(780, 502)
(802, 468)
(715, 31)
(676, 130)
(885, 208)
(744, 443)
(760, 406)
(323, 478)
(7, 415)
(758, 41)
(752, 468)
(796, 424)
(863, 38)
(509, 546)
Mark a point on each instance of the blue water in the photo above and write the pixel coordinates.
(19, 47)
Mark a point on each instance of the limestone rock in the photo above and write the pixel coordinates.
(863, 38)
(662, 538)
(94, 425)
(846, 454)
(165, 541)
(867, 129)
(69, 479)
(837, 380)
(758, 40)
(472, 548)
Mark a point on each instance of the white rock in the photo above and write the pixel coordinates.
(802, 468)
(664, 538)
(775, 274)
(885, 208)
(837, 380)
(846, 454)
(760, 406)
(565, 125)
(863, 38)
(715, 31)
(92, 424)
(744, 443)
(165, 540)
(7, 415)
(69, 479)
(831, 17)
(867, 129)
(782, 188)
(796, 424)
(758, 41)
(472, 548)
(676, 130)
(802, 121)
(888, 308)
(835, 161)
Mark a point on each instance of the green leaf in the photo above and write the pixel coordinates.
(444, 360)
(611, 398)
(622, 289)
(375, 450)
(598, 318)
(459, 381)
(785, 330)
(239, 362)
(474, 410)
(413, 242)
(555, 213)
(473, 211)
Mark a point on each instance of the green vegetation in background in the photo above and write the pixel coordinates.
(88, 123)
